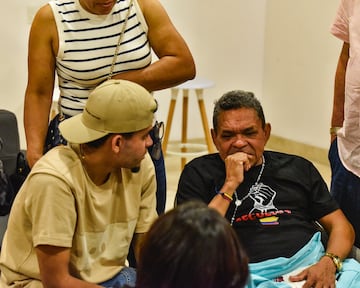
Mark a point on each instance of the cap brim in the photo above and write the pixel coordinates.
(74, 131)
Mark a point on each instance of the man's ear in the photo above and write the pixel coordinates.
(267, 130)
(213, 136)
(117, 143)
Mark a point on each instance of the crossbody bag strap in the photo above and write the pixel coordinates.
(119, 41)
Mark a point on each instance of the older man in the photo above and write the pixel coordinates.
(82, 205)
(272, 200)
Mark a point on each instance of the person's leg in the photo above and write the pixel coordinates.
(160, 172)
(127, 276)
(157, 157)
(345, 188)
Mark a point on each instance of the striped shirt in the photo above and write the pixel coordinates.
(87, 44)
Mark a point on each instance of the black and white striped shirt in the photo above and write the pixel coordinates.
(87, 44)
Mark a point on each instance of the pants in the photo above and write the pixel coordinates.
(345, 188)
(127, 276)
(159, 164)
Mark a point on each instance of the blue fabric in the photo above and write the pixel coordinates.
(262, 273)
(127, 276)
(160, 172)
(345, 188)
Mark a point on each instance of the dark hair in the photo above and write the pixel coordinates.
(234, 100)
(99, 142)
(192, 246)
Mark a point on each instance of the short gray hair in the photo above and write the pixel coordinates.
(234, 100)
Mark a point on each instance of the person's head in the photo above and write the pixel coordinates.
(118, 113)
(192, 246)
(239, 126)
(98, 7)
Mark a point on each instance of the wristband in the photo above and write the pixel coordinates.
(334, 130)
(226, 196)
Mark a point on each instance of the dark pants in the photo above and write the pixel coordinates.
(160, 174)
(345, 188)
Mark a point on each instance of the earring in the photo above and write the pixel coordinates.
(82, 155)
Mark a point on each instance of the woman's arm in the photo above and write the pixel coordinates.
(41, 75)
(175, 63)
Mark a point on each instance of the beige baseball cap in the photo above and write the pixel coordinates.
(115, 106)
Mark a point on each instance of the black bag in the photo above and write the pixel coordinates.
(22, 170)
(53, 136)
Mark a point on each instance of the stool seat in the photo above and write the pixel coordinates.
(198, 85)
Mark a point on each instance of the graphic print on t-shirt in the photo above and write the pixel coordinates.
(263, 197)
(263, 209)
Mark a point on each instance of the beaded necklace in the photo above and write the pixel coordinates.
(255, 187)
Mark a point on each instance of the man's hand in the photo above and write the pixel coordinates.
(319, 275)
(235, 165)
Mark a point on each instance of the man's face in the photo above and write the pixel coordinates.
(135, 148)
(98, 7)
(240, 130)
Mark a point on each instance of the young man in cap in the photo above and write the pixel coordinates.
(76, 215)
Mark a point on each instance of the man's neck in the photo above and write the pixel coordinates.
(94, 165)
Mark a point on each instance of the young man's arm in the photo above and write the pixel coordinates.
(137, 241)
(54, 268)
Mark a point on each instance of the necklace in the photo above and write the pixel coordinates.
(256, 186)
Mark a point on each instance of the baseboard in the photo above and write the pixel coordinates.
(277, 143)
(310, 152)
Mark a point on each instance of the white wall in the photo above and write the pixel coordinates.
(279, 49)
(14, 29)
(227, 41)
(300, 61)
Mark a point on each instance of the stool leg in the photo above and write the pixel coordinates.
(199, 94)
(184, 124)
(174, 93)
(53, 110)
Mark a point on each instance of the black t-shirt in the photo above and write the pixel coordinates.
(277, 218)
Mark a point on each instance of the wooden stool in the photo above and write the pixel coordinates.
(198, 85)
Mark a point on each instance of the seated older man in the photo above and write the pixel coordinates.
(272, 200)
